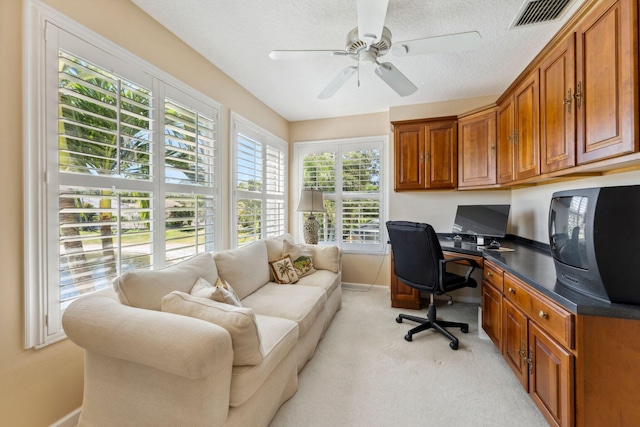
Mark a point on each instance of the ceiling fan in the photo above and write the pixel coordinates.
(371, 40)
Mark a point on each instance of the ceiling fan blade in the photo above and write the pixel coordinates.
(440, 44)
(371, 16)
(305, 54)
(337, 82)
(395, 79)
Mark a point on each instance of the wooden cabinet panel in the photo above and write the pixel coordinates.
(551, 380)
(527, 128)
(409, 157)
(492, 313)
(505, 136)
(477, 150)
(426, 154)
(441, 155)
(606, 89)
(493, 274)
(403, 296)
(514, 342)
(557, 108)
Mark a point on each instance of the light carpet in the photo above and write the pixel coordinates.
(365, 374)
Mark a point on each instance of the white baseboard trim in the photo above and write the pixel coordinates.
(363, 287)
(69, 420)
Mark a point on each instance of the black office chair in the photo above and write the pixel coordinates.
(419, 262)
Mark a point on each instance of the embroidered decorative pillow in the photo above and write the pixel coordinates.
(301, 256)
(283, 270)
(221, 292)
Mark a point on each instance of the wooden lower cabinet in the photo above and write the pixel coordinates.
(403, 296)
(492, 313)
(514, 342)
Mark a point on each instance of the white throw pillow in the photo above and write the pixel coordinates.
(240, 322)
(327, 258)
(301, 257)
(221, 292)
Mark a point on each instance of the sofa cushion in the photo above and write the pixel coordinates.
(246, 268)
(279, 337)
(327, 258)
(145, 288)
(301, 256)
(298, 303)
(221, 292)
(239, 321)
(323, 279)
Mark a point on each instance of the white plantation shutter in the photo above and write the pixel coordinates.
(349, 172)
(260, 180)
(130, 171)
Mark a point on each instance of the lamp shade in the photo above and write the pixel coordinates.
(311, 201)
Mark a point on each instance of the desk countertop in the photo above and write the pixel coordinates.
(535, 267)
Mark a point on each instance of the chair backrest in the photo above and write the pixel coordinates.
(416, 253)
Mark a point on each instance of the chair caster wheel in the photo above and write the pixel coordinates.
(399, 319)
(453, 345)
(464, 329)
(409, 338)
(449, 302)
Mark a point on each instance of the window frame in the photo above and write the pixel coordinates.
(268, 140)
(338, 146)
(42, 319)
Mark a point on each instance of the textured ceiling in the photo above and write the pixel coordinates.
(237, 36)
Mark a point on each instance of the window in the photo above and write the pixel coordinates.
(350, 173)
(130, 168)
(260, 183)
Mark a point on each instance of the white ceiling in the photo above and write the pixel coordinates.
(237, 36)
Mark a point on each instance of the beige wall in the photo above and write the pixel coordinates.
(38, 387)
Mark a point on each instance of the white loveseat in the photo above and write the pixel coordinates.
(151, 359)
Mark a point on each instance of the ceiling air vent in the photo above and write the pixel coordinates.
(539, 11)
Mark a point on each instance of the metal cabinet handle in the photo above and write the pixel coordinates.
(567, 101)
(512, 291)
(543, 315)
(578, 95)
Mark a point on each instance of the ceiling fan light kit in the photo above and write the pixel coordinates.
(371, 40)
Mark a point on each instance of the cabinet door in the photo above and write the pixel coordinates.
(551, 381)
(607, 109)
(557, 109)
(527, 128)
(492, 313)
(514, 342)
(403, 296)
(477, 150)
(506, 136)
(409, 157)
(441, 155)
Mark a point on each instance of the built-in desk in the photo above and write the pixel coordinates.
(578, 357)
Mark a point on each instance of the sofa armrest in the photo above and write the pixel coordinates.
(180, 345)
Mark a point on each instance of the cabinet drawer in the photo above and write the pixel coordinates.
(553, 319)
(493, 274)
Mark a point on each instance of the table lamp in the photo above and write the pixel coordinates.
(311, 201)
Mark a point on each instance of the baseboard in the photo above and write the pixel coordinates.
(363, 287)
(69, 420)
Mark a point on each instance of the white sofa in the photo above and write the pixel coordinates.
(151, 359)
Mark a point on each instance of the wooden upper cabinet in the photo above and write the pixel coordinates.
(519, 132)
(426, 154)
(606, 89)
(527, 128)
(557, 108)
(409, 157)
(505, 136)
(477, 149)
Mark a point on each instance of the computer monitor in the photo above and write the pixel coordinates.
(481, 220)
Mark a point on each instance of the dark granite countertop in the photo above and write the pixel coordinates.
(532, 263)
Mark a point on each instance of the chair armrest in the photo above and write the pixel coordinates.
(473, 264)
(180, 345)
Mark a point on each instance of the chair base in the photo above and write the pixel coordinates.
(431, 322)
